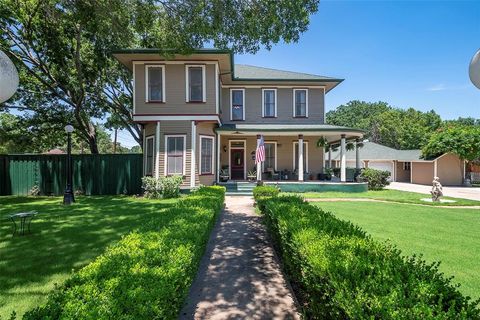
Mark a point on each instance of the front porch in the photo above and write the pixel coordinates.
(246, 187)
(292, 154)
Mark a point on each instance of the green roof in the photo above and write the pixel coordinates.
(375, 151)
(249, 72)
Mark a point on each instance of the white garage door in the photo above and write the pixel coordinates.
(385, 166)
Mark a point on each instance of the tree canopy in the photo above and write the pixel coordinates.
(393, 127)
(62, 48)
(462, 140)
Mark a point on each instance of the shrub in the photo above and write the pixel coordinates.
(147, 274)
(265, 191)
(339, 272)
(377, 179)
(151, 188)
(170, 186)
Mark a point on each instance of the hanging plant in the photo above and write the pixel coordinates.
(350, 146)
(322, 142)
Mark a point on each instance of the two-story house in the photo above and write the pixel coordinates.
(201, 113)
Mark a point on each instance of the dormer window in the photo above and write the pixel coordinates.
(269, 103)
(300, 103)
(195, 83)
(155, 79)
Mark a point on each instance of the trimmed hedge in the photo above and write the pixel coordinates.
(147, 274)
(377, 179)
(262, 193)
(339, 272)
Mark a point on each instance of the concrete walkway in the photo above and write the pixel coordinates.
(239, 275)
(471, 193)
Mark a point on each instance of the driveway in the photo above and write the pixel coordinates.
(455, 192)
(239, 275)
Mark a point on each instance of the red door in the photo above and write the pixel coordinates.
(237, 165)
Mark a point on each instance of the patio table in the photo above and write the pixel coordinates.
(24, 217)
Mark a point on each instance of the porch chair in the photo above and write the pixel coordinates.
(224, 175)
(274, 175)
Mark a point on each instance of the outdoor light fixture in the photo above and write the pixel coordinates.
(8, 78)
(68, 196)
(474, 69)
(224, 148)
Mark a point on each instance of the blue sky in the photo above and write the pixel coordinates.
(407, 53)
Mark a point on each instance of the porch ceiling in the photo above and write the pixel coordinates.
(331, 133)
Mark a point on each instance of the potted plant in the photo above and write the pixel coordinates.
(328, 173)
(252, 175)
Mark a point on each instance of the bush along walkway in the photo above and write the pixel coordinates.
(239, 276)
(146, 275)
(342, 273)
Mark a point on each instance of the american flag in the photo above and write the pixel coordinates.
(260, 152)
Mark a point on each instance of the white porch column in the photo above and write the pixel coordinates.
(357, 154)
(330, 156)
(157, 151)
(217, 165)
(193, 155)
(343, 160)
(300, 157)
(259, 164)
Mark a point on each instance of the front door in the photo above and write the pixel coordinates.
(237, 165)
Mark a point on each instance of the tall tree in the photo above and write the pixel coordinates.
(393, 127)
(62, 46)
(462, 140)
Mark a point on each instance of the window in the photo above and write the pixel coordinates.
(195, 83)
(300, 103)
(305, 156)
(175, 155)
(206, 155)
(149, 156)
(270, 156)
(406, 166)
(155, 84)
(269, 103)
(237, 97)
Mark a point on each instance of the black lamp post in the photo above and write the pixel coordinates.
(68, 196)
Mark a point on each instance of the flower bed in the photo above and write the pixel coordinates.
(147, 274)
(339, 272)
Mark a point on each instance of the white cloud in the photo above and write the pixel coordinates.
(437, 87)
(443, 87)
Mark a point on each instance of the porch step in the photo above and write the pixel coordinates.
(245, 186)
(238, 193)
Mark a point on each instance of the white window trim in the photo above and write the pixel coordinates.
(306, 103)
(187, 81)
(200, 155)
(165, 158)
(276, 153)
(263, 102)
(147, 69)
(145, 161)
(306, 154)
(244, 157)
(231, 103)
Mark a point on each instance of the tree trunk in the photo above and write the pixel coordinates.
(115, 142)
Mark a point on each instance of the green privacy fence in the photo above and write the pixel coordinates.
(92, 174)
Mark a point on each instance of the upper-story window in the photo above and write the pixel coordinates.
(300, 103)
(195, 84)
(237, 98)
(269, 103)
(155, 79)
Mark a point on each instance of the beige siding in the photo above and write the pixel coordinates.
(206, 129)
(402, 175)
(284, 152)
(174, 92)
(422, 172)
(253, 106)
(450, 170)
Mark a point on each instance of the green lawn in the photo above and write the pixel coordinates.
(62, 239)
(389, 195)
(448, 235)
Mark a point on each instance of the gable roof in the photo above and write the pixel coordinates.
(243, 71)
(375, 151)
